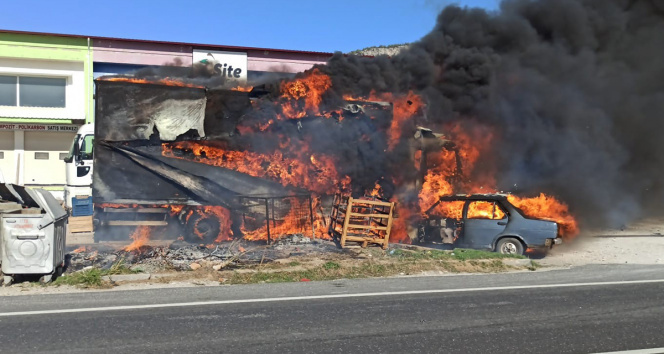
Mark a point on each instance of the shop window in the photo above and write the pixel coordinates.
(41, 155)
(485, 210)
(62, 155)
(8, 89)
(26, 91)
(42, 91)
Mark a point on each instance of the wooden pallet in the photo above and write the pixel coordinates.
(80, 224)
(363, 220)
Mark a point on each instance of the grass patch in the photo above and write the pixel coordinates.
(327, 271)
(93, 278)
(420, 255)
(90, 278)
(118, 268)
(460, 254)
(534, 266)
(463, 254)
(395, 262)
(294, 264)
(331, 265)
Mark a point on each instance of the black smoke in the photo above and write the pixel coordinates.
(574, 90)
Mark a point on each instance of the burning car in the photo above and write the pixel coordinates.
(486, 221)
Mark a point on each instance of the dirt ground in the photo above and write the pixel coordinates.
(638, 243)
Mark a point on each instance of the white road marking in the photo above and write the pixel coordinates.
(319, 297)
(638, 351)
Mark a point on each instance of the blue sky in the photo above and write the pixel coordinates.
(314, 25)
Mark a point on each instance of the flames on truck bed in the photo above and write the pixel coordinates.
(229, 153)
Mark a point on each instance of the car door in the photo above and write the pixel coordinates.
(483, 221)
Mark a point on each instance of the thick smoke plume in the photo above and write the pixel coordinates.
(572, 89)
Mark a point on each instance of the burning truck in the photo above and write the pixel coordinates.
(210, 165)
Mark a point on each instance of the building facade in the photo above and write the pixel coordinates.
(46, 89)
(45, 83)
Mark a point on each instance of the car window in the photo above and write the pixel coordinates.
(448, 209)
(485, 210)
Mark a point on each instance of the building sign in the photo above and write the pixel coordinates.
(39, 127)
(231, 65)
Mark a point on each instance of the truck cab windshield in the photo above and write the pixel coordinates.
(83, 147)
(86, 147)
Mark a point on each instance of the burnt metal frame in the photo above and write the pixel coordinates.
(268, 202)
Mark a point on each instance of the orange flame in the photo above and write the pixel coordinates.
(400, 224)
(223, 215)
(548, 207)
(140, 236)
(437, 181)
(317, 173)
(290, 224)
(80, 249)
(485, 210)
(242, 88)
(308, 89)
(165, 81)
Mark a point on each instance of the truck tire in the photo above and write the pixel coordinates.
(510, 245)
(202, 228)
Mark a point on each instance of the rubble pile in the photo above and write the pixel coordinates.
(182, 256)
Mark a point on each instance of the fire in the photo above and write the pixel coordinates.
(80, 249)
(308, 90)
(140, 236)
(165, 81)
(405, 107)
(316, 173)
(485, 210)
(453, 168)
(548, 207)
(399, 232)
(377, 191)
(442, 171)
(290, 224)
(242, 88)
(222, 214)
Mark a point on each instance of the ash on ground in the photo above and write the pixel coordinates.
(181, 256)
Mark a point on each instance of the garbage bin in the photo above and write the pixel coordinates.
(34, 243)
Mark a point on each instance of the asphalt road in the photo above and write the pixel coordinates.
(582, 310)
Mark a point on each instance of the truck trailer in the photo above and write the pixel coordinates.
(120, 162)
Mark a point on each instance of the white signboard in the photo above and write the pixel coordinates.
(39, 127)
(231, 65)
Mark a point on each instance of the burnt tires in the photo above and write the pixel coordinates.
(202, 228)
(510, 246)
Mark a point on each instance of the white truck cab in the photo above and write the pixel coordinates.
(79, 165)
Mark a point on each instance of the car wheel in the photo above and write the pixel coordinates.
(202, 228)
(510, 245)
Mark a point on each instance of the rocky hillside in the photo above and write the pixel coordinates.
(390, 50)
